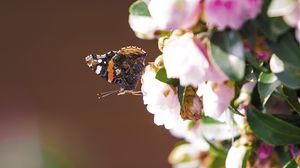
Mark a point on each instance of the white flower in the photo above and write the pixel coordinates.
(185, 156)
(184, 59)
(193, 135)
(235, 156)
(216, 98)
(194, 132)
(224, 130)
(161, 100)
(174, 14)
(143, 26)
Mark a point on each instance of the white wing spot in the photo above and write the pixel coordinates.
(98, 70)
(99, 60)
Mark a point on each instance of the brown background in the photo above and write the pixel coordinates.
(42, 72)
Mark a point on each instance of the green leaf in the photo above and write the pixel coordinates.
(235, 111)
(255, 62)
(273, 27)
(218, 162)
(271, 129)
(209, 120)
(267, 83)
(292, 98)
(218, 154)
(139, 8)
(287, 49)
(283, 154)
(267, 78)
(246, 157)
(290, 118)
(288, 74)
(227, 53)
(248, 31)
(217, 150)
(181, 93)
(255, 98)
(161, 75)
(291, 164)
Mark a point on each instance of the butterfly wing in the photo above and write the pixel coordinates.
(129, 64)
(99, 63)
(122, 68)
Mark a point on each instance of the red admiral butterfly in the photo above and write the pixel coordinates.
(122, 68)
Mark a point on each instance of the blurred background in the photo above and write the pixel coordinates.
(50, 116)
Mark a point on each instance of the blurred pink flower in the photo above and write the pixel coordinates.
(216, 98)
(161, 100)
(264, 151)
(175, 14)
(253, 7)
(293, 150)
(231, 13)
(185, 57)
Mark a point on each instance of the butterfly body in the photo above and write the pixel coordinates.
(122, 68)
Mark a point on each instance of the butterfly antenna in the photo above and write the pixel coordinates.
(104, 94)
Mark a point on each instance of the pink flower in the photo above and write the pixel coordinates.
(231, 13)
(174, 14)
(216, 98)
(185, 57)
(253, 7)
(264, 151)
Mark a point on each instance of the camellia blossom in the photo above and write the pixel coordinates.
(231, 13)
(185, 57)
(161, 100)
(216, 98)
(175, 14)
(143, 26)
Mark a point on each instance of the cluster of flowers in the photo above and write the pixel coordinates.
(227, 81)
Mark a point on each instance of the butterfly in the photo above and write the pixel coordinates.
(122, 68)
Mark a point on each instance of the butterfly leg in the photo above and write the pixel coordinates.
(135, 93)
